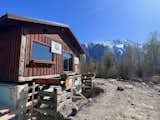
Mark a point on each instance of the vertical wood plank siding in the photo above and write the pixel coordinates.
(9, 54)
(10, 51)
(45, 69)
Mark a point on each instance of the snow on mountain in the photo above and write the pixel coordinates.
(120, 46)
(104, 43)
(95, 50)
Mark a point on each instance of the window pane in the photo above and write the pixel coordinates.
(70, 64)
(65, 65)
(41, 52)
(67, 61)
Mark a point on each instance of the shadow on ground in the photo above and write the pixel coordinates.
(96, 92)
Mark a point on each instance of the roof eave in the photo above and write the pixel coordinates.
(9, 16)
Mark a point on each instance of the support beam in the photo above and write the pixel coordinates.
(54, 81)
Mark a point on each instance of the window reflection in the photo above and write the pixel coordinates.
(67, 61)
(41, 52)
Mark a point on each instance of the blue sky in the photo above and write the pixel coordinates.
(94, 20)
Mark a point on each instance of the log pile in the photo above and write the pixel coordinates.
(88, 80)
(52, 98)
(53, 101)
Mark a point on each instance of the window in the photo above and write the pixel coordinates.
(41, 52)
(67, 61)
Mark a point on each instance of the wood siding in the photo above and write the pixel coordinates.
(9, 54)
(41, 69)
(16, 52)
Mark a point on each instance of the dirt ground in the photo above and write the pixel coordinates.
(137, 101)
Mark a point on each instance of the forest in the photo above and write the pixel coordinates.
(139, 62)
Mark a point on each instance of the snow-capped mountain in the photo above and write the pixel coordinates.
(95, 50)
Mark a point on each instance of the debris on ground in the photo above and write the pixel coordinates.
(119, 88)
(128, 86)
(140, 102)
(78, 106)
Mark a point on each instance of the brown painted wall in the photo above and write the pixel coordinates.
(11, 45)
(9, 53)
(36, 69)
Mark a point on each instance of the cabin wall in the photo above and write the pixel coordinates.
(36, 34)
(9, 53)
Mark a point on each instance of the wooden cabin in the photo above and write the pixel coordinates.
(32, 48)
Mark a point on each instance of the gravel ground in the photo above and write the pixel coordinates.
(137, 101)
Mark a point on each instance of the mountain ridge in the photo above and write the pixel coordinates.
(95, 50)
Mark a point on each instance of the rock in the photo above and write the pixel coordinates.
(139, 80)
(143, 83)
(146, 106)
(120, 79)
(151, 83)
(150, 95)
(119, 88)
(90, 100)
(157, 87)
(112, 80)
(136, 79)
(128, 86)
